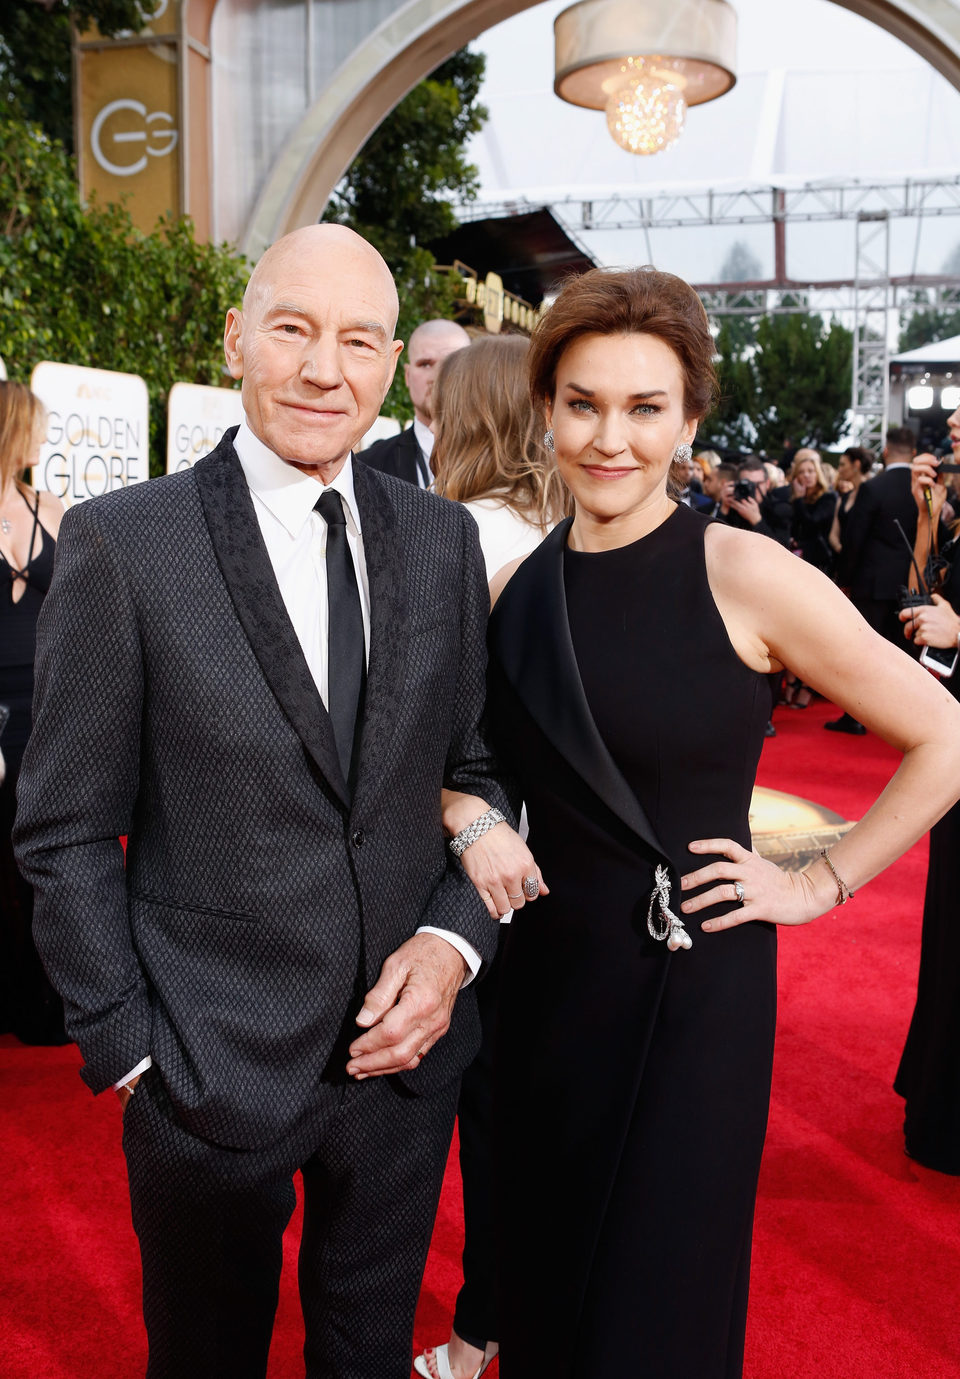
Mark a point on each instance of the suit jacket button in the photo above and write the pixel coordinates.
(358, 838)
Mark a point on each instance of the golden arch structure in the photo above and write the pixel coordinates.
(245, 113)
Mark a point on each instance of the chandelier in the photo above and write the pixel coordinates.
(644, 62)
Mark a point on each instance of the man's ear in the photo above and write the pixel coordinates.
(233, 352)
(395, 348)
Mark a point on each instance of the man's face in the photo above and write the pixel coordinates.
(715, 484)
(427, 352)
(758, 477)
(314, 348)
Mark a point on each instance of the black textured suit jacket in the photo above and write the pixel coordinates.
(397, 455)
(258, 901)
(875, 559)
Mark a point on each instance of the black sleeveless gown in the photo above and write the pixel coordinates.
(633, 1083)
(929, 1074)
(29, 1006)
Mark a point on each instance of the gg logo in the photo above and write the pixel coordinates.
(157, 135)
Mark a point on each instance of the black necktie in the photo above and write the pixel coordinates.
(346, 661)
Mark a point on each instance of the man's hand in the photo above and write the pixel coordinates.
(748, 508)
(125, 1093)
(409, 1009)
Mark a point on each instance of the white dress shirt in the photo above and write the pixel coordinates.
(425, 438)
(296, 540)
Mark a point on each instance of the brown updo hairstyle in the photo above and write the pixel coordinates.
(628, 301)
(488, 439)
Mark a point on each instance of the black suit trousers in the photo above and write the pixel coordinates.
(210, 1223)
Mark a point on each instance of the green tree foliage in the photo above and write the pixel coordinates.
(35, 63)
(399, 191)
(84, 286)
(925, 320)
(796, 382)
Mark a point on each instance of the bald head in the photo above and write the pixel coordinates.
(314, 345)
(320, 248)
(429, 345)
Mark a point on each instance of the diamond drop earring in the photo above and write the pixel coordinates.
(683, 453)
(548, 440)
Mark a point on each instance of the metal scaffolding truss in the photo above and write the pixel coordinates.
(811, 201)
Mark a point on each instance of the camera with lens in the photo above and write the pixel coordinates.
(743, 489)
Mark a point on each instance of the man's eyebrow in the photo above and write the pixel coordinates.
(373, 327)
(292, 309)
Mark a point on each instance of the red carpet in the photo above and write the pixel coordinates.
(857, 1254)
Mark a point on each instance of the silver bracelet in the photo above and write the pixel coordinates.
(470, 834)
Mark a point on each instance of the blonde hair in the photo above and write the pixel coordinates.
(488, 438)
(21, 414)
(808, 456)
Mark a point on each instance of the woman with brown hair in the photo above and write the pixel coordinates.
(29, 522)
(853, 469)
(629, 693)
(488, 453)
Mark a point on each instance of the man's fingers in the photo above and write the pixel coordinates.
(383, 996)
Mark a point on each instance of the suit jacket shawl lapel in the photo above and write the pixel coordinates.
(383, 558)
(248, 575)
(530, 637)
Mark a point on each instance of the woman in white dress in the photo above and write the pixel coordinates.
(488, 455)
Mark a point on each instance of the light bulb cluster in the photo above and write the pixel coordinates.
(645, 106)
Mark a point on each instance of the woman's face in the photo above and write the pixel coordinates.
(617, 418)
(806, 475)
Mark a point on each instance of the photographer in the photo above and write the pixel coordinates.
(747, 499)
(929, 1073)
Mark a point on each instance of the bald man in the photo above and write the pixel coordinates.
(262, 672)
(407, 455)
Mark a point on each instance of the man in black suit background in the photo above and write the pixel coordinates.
(875, 559)
(407, 455)
(262, 671)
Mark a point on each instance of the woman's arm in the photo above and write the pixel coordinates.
(923, 482)
(777, 613)
(498, 861)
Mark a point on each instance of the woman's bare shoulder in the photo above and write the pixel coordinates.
(51, 510)
(503, 577)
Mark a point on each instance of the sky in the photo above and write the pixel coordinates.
(821, 94)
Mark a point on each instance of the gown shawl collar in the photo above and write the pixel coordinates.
(530, 638)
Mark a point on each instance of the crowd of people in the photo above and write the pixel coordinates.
(433, 764)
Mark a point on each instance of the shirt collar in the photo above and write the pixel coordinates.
(286, 492)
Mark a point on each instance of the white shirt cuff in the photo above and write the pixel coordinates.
(466, 950)
(141, 1067)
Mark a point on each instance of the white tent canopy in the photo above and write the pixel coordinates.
(943, 352)
(821, 94)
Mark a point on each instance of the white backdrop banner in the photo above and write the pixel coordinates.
(98, 431)
(197, 417)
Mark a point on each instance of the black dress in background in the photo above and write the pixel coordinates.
(29, 1007)
(811, 527)
(929, 1073)
(632, 1083)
